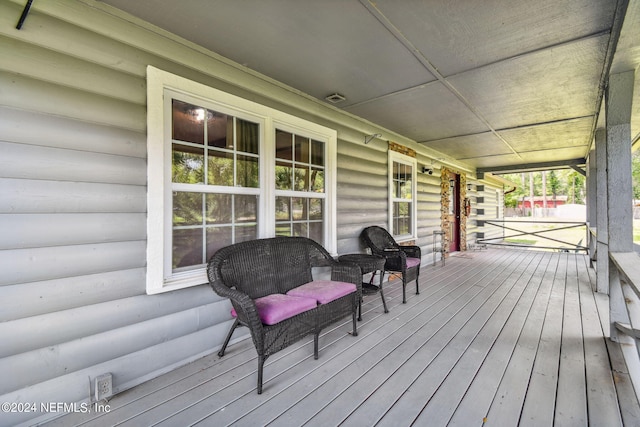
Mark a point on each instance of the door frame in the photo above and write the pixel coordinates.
(459, 228)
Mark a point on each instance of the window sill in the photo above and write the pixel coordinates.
(179, 281)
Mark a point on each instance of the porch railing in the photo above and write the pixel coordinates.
(574, 236)
(624, 309)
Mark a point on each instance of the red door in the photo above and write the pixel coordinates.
(454, 212)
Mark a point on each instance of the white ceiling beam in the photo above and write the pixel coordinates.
(530, 167)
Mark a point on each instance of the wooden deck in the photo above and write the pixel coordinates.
(496, 337)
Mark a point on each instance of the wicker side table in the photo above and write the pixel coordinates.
(368, 264)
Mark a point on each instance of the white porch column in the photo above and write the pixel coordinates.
(619, 183)
(592, 198)
(619, 195)
(602, 239)
(592, 212)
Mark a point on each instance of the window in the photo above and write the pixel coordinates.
(402, 196)
(215, 182)
(222, 170)
(299, 186)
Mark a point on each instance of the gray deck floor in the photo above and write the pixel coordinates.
(496, 337)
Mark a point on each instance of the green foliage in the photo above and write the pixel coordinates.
(511, 199)
(559, 183)
(565, 182)
(553, 183)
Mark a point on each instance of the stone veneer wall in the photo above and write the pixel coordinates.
(445, 175)
(394, 146)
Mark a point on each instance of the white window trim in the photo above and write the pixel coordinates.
(401, 158)
(160, 277)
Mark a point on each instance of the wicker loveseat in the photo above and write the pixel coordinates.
(270, 285)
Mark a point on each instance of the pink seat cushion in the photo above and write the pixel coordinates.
(275, 308)
(412, 262)
(323, 291)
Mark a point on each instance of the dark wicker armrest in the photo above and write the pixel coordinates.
(245, 307)
(412, 251)
(347, 272)
(396, 259)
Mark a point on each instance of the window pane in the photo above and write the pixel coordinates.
(219, 130)
(248, 136)
(302, 149)
(220, 168)
(316, 181)
(284, 176)
(219, 208)
(317, 153)
(403, 226)
(247, 168)
(218, 238)
(299, 208)
(188, 164)
(246, 209)
(246, 232)
(188, 122)
(302, 178)
(283, 209)
(283, 229)
(315, 209)
(401, 218)
(315, 232)
(403, 209)
(187, 247)
(407, 192)
(284, 145)
(452, 197)
(301, 229)
(187, 208)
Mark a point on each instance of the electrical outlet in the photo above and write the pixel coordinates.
(104, 387)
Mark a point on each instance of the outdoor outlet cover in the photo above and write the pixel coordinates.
(103, 387)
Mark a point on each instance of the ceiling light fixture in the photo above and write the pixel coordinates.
(334, 98)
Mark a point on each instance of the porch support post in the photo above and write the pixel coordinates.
(619, 95)
(592, 197)
(602, 239)
(592, 212)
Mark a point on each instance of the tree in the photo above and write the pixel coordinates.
(511, 199)
(576, 187)
(559, 182)
(554, 185)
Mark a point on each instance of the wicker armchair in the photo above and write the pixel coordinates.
(248, 272)
(402, 259)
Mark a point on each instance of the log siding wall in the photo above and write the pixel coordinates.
(73, 201)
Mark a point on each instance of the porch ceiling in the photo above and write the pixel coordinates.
(489, 83)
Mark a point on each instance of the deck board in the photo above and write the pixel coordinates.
(507, 314)
(509, 397)
(601, 391)
(539, 404)
(496, 337)
(571, 406)
(398, 392)
(474, 406)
